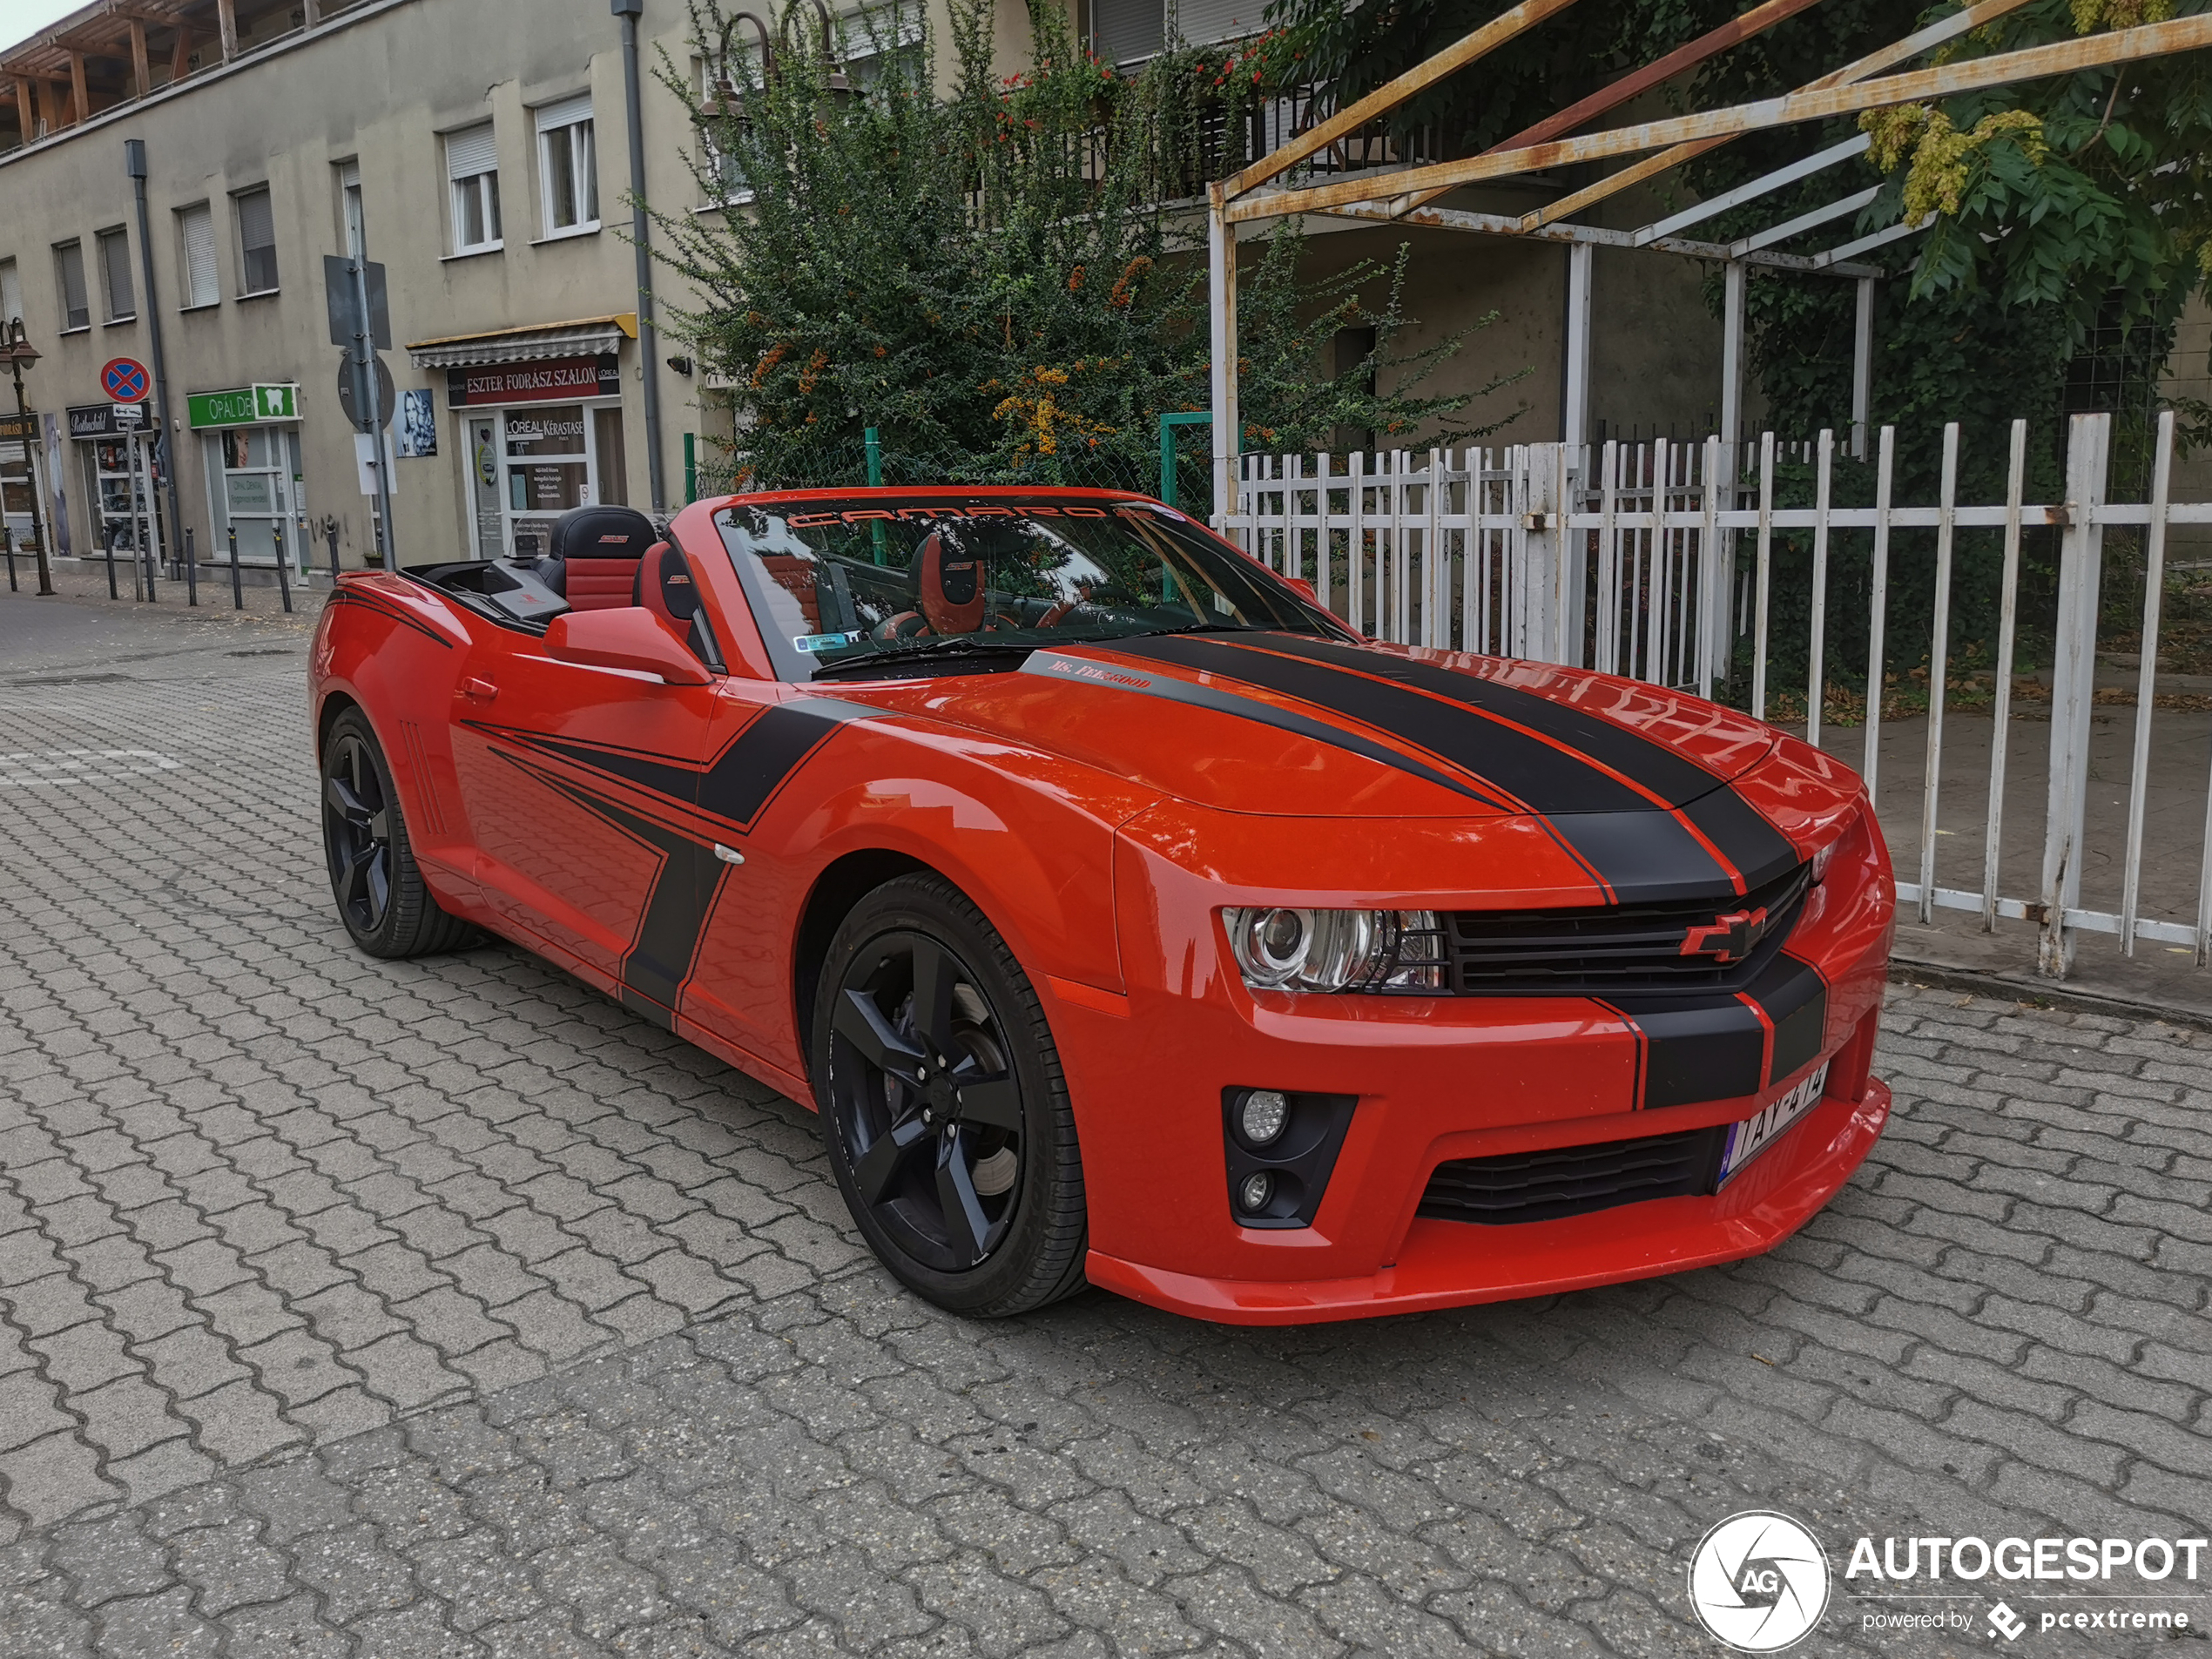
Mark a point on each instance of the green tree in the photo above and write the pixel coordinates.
(992, 271)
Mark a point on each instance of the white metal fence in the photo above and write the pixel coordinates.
(1653, 560)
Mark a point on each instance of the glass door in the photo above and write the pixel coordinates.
(18, 483)
(548, 471)
(528, 464)
(121, 474)
(253, 486)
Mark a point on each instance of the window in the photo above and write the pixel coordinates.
(256, 243)
(472, 164)
(69, 278)
(115, 269)
(196, 236)
(351, 224)
(567, 174)
(10, 293)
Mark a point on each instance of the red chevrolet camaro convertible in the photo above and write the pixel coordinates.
(1126, 919)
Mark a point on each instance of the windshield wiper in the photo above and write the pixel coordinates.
(906, 651)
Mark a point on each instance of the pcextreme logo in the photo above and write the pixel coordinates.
(1759, 1582)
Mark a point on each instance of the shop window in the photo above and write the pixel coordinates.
(69, 279)
(196, 236)
(472, 166)
(568, 172)
(115, 268)
(256, 242)
(10, 293)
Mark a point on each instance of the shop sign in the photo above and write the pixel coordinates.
(99, 420)
(243, 406)
(556, 379)
(16, 428)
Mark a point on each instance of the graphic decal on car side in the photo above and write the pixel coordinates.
(1090, 670)
(391, 612)
(1637, 850)
(733, 790)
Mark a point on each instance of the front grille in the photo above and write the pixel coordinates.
(1573, 1180)
(1601, 949)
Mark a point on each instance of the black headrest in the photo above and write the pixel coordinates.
(602, 533)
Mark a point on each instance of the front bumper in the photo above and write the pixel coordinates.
(1436, 1080)
(1450, 1263)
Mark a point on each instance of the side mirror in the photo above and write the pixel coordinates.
(1304, 588)
(629, 637)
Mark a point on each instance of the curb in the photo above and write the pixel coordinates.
(1908, 971)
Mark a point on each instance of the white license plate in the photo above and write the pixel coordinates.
(1753, 1135)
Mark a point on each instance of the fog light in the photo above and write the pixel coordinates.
(1263, 1114)
(1257, 1190)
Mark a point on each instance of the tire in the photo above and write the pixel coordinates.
(378, 887)
(966, 1180)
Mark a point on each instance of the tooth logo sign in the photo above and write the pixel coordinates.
(1759, 1582)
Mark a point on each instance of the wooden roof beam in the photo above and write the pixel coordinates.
(1873, 64)
(1392, 93)
(2093, 51)
(1638, 81)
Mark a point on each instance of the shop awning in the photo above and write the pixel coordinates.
(583, 337)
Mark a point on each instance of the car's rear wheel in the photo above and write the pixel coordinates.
(380, 894)
(943, 1106)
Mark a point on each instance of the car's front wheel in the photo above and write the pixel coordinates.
(943, 1107)
(380, 894)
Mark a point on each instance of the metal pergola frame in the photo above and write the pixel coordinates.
(1402, 194)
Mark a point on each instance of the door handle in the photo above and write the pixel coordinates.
(479, 688)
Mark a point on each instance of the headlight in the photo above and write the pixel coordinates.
(1281, 948)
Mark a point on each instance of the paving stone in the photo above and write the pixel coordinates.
(594, 1362)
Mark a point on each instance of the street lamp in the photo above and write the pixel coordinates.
(17, 349)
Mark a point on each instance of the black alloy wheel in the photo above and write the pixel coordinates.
(357, 834)
(943, 1104)
(381, 897)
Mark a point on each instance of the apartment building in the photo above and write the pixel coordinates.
(476, 149)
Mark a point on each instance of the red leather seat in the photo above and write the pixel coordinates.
(663, 585)
(595, 554)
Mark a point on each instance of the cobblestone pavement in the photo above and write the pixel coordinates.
(445, 1308)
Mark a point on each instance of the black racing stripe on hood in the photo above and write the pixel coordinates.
(1756, 849)
(1090, 670)
(1639, 850)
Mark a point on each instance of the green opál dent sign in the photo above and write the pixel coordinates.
(245, 406)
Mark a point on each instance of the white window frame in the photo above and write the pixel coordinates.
(11, 291)
(74, 245)
(353, 210)
(193, 300)
(567, 127)
(462, 187)
(102, 241)
(238, 198)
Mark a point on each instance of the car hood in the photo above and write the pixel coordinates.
(1627, 775)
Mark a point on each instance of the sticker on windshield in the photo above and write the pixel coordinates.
(813, 643)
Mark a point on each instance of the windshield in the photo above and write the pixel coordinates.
(898, 584)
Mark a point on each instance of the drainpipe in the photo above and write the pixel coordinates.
(640, 233)
(134, 163)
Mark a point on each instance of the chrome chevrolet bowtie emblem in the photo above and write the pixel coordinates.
(1727, 939)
